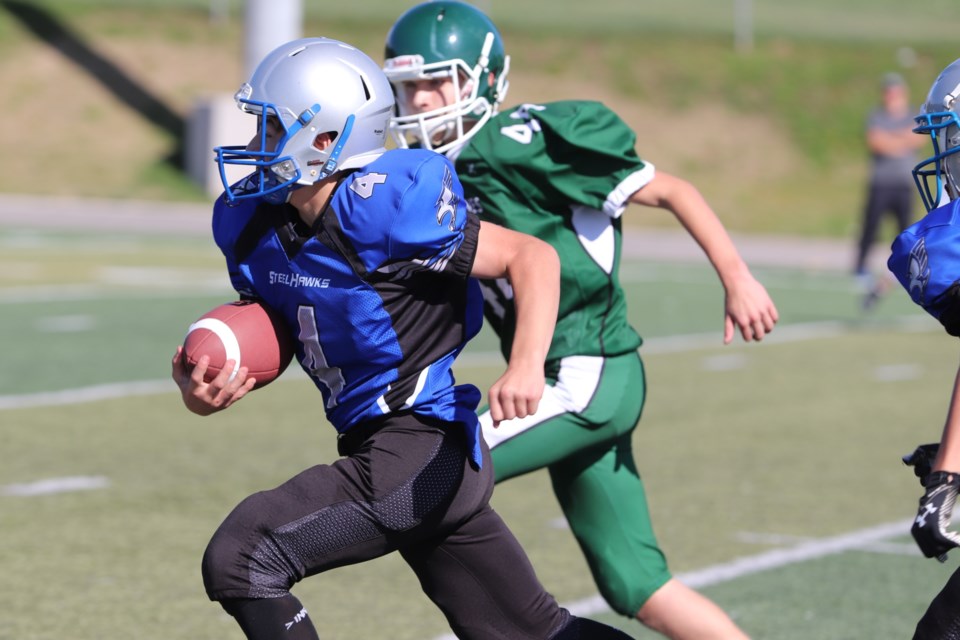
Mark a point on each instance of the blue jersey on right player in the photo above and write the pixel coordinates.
(377, 292)
(925, 258)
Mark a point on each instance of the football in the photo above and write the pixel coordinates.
(248, 332)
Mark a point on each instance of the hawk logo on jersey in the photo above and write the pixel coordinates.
(447, 202)
(919, 271)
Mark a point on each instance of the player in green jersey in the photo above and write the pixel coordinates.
(565, 172)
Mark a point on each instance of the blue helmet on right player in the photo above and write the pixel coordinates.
(938, 177)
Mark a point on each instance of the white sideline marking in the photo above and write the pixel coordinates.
(780, 335)
(777, 539)
(724, 362)
(112, 391)
(66, 324)
(55, 485)
(863, 539)
(770, 539)
(801, 552)
(897, 372)
(671, 344)
(86, 394)
(895, 548)
(87, 292)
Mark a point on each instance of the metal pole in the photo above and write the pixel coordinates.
(219, 12)
(743, 25)
(268, 24)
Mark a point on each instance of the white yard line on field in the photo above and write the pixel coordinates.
(800, 552)
(40, 294)
(671, 344)
(55, 485)
(86, 394)
(864, 539)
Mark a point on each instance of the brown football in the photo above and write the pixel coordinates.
(248, 332)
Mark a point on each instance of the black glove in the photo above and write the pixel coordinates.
(933, 517)
(922, 459)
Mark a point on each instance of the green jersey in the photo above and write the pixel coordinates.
(562, 172)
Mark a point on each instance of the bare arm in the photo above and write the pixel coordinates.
(747, 306)
(533, 268)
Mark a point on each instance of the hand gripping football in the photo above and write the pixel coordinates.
(245, 331)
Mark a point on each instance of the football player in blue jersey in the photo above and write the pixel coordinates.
(925, 258)
(369, 255)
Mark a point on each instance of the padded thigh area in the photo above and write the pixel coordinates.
(356, 509)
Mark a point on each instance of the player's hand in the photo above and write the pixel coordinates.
(930, 528)
(517, 393)
(204, 398)
(748, 307)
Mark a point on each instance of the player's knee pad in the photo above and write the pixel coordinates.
(238, 563)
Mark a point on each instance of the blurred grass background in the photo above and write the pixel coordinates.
(772, 135)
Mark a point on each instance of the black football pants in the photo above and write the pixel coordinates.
(405, 486)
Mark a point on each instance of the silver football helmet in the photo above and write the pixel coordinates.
(938, 177)
(310, 86)
(446, 39)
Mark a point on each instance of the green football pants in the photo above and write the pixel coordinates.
(582, 434)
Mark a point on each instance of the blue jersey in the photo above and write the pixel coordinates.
(925, 258)
(377, 293)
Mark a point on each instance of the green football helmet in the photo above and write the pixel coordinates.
(446, 40)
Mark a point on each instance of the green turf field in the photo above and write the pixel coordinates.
(773, 470)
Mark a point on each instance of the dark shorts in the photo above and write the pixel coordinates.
(404, 485)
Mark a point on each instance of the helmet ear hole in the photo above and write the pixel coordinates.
(323, 140)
